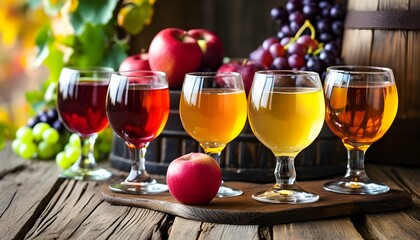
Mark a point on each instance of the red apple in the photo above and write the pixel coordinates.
(211, 46)
(135, 62)
(246, 68)
(194, 178)
(176, 53)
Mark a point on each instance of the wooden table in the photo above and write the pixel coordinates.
(36, 204)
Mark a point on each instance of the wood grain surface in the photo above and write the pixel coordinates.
(36, 204)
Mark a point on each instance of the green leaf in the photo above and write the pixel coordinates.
(92, 12)
(90, 46)
(42, 42)
(114, 56)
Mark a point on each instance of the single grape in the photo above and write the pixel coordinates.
(278, 14)
(310, 10)
(43, 117)
(294, 27)
(52, 114)
(58, 125)
(287, 31)
(39, 129)
(32, 121)
(27, 150)
(296, 48)
(62, 161)
(323, 25)
(75, 141)
(280, 63)
(336, 11)
(293, 6)
(296, 61)
(332, 47)
(327, 57)
(15, 145)
(261, 56)
(268, 42)
(297, 17)
(46, 150)
(307, 41)
(285, 40)
(25, 134)
(72, 153)
(325, 37)
(315, 64)
(277, 50)
(51, 135)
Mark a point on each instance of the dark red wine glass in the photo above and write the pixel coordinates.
(81, 99)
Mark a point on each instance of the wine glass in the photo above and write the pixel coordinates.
(213, 112)
(286, 112)
(137, 107)
(81, 106)
(361, 104)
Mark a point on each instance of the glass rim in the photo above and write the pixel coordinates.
(213, 74)
(90, 69)
(152, 73)
(359, 69)
(288, 72)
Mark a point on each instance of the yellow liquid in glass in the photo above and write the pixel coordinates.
(287, 120)
(213, 117)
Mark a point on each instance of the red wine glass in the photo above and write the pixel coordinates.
(137, 107)
(81, 106)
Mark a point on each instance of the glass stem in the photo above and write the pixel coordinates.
(356, 165)
(215, 155)
(138, 173)
(285, 172)
(87, 158)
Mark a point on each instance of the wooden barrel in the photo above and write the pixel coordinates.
(243, 159)
(387, 33)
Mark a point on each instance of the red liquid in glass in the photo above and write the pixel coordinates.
(139, 114)
(82, 107)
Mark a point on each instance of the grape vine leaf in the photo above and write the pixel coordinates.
(96, 12)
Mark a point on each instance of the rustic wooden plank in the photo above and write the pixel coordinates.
(9, 162)
(189, 229)
(395, 225)
(78, 211)
(24, 194)
(337, 228)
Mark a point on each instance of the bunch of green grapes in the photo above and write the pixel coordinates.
(41, 141)
(72, 150)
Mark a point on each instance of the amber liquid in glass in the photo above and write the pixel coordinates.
(361, 115)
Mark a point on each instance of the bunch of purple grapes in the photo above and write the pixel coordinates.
(49, 116)
(309, 36)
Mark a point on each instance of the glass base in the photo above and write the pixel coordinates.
(139, 188)
(295, 196)
(89, 174)
(228, 192)
(345, 186)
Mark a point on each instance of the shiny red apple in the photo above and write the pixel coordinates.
(135, 62)
(176, 53)
(212, 47)
(194, 178)
(246, 68)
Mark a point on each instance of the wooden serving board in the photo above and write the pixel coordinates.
(245, 210)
